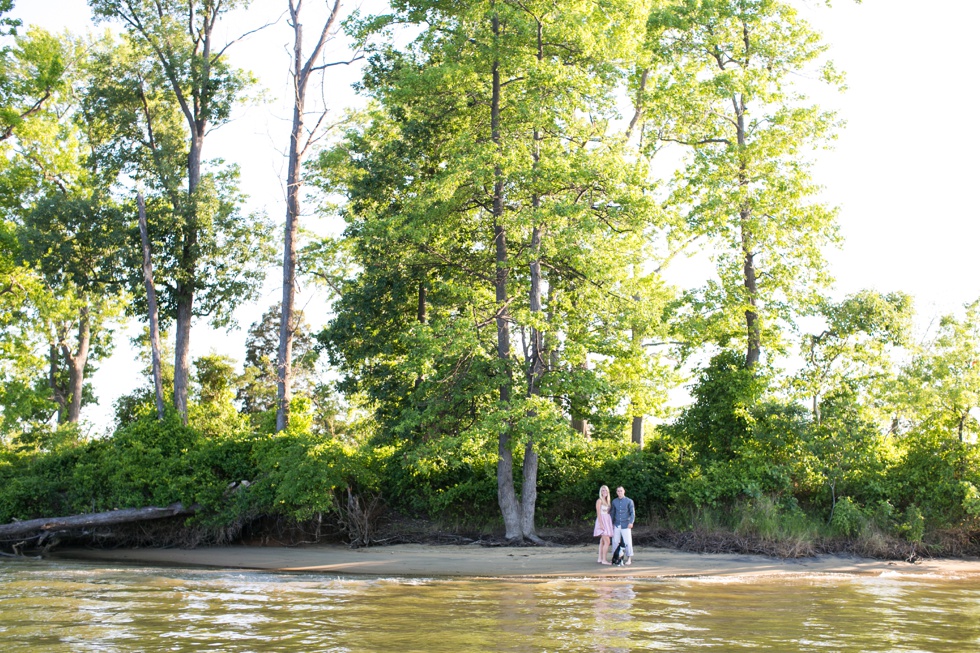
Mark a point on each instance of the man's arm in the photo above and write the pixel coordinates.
(632, 513)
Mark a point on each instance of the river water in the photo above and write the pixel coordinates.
(77, 606)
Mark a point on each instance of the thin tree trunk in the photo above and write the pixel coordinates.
(151, 301)
(297, 150)
(536, 367)
(529, 492)
(636, 430)
(580, 423)
(752, 327)
(506, 496)
(750, 277)
(422, 318)
(188, 267)
(284, 364)
(58, 393)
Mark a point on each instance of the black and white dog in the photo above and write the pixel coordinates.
(618, 557)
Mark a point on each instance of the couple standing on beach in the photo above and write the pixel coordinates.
(614, 519)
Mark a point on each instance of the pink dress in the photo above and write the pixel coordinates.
(603, 523)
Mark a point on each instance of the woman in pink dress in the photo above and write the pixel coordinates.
(603, 523)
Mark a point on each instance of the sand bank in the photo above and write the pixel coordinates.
(514, 562)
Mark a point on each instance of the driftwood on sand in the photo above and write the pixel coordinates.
(50, 525)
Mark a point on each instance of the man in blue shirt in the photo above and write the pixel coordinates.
(623, 515)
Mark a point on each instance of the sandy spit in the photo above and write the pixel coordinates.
(514, 562)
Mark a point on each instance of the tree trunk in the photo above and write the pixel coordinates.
(294, 181)
(284, 364)
(188, 269)
(422, 318)
(88, 520)
(151, 301)
(536, 368)
(182, 346)
(506, 496)
(752, 327)
(636, 429)
(529, 492)
(580, 422)
(76, 364)
(636, 434)
(58, 394)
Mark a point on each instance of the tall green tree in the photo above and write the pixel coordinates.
(67, 226)
(177, 54)
(721, 81)
(493, 202)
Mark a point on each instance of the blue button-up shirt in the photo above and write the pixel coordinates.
(622, 512)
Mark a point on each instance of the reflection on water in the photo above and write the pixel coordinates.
(80, 607)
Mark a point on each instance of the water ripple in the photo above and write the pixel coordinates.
(82, 607)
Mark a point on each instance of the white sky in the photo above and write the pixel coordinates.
(904, 171)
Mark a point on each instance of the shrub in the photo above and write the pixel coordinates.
(846, 518)
(930, 475)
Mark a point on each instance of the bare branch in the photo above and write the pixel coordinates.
(356, 57)
(243, 36)
(704, 141)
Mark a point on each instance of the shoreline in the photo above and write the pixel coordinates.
(472, 561)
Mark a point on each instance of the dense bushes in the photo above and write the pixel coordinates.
(150, 462)
(297, 475)
(737, 460)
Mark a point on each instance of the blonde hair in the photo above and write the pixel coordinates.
(604, 499)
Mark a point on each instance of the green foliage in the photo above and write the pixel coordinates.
(934, 473)
(719, 81)
(257, 390)
(298, 474)
(768, 519)
(720, 421)
(492, 191)
(940, 386)
(159, 462)
(570, 478)
(32, 73)
(913, 526)
(849, 454)
(455, 479)
(847, 519)
(444, 478)
(853, 352)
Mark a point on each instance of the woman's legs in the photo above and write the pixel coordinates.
(603, 548)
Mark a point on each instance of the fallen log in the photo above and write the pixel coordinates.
(19, 529)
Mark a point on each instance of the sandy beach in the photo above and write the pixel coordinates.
(514, 562)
